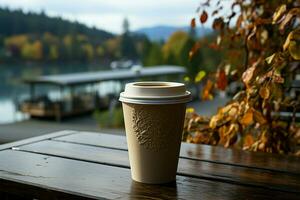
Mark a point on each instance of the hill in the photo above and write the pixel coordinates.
(13, 22)
(157, 33)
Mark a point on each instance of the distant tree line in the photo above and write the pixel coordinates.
(15, 22)
(31, 37)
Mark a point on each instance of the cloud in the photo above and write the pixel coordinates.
(109, 14)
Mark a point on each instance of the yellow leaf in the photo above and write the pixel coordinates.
(219, 39)
(190, 110)
(294, 49)
(214, 121)
(279, 13)
(270, 58)
(186, 79)
(287, 41)
(264, 36)
(200, 76)
(233, 112)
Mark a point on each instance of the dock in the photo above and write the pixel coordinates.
(86, 101)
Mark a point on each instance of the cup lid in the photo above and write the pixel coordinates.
(155, 92)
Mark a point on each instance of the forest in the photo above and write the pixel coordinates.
(38, 38)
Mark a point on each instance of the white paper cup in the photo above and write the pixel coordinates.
(154, 115)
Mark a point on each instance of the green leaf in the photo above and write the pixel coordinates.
(200, 76)
(186, 79)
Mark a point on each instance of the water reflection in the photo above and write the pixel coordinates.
(12, 89)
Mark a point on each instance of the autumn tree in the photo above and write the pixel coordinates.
(266, 34)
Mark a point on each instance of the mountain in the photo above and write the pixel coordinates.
(157, 33)
(14, 22)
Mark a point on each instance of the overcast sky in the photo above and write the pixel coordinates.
(109, 14)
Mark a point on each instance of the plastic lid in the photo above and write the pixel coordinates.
(155, 93)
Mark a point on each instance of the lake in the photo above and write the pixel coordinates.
(12, 89)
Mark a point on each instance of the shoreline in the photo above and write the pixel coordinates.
(33, 127)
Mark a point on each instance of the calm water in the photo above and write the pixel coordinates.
(12, 89)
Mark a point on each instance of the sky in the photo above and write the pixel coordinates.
(109, 14)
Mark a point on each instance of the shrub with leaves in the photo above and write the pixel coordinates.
(266, 34)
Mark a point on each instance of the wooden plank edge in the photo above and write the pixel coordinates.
(36, 139)
(189, 158)
(245, 166)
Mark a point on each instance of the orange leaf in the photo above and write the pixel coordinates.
(193, 23)
(218, 23)
(203, 17)
(264, 92)
(194, 50)
(222, 80)
(248, 141)
(258, 116)
(206, 94)
(247, 119)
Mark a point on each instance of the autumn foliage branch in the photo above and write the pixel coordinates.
(266, 34)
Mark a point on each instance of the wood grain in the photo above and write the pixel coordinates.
(36, 139)
(213, 154)
(49, 174)
(188, 167)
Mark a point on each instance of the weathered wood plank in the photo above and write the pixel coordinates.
(193, 168)
(48, 174)
(36, 139)
(274, 162)
(268, 161)
(96, 139)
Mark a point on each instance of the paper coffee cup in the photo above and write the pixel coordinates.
(154, 115)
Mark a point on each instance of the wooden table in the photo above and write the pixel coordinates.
(74, 165)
